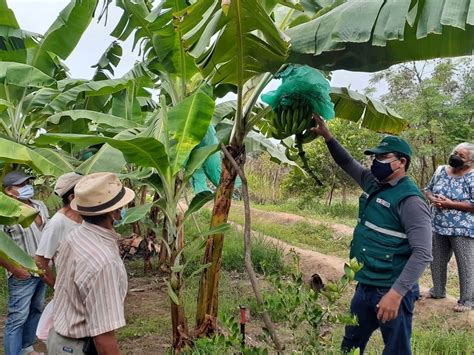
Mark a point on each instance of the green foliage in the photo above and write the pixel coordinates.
(292, 302)
(317, 236)
(13, 211)
(343, 210)
(14, 255)
(387, 32)
(436, 339)
(249, 42)
(141, 327)
(352, 138)
(228, 343)
(312, 207)
(264, 179)
(438, 98)
(266, 256)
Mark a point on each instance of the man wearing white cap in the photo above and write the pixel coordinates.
(91, 280)
(65, 220)
(25, 291)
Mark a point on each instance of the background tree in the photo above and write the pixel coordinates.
(437, 98)
(354, 139)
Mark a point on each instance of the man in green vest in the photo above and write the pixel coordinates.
(392, 239)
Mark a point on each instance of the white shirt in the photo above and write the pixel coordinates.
(54, 232)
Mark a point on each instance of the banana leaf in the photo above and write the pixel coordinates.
(63, 35)
(371, 114)
(14, 255)
(15, 212)
(96, 117)
(23, 75)
(232, 44)
(371, 35)
(12, 152)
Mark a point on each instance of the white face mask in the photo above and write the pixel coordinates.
(26, 192)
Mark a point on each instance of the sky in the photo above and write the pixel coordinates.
(38, 15)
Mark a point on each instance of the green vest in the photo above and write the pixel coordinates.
(379, 241)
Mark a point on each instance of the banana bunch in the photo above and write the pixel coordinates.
(294, 119)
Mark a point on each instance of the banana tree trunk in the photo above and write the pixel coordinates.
(208, 297)
(179, 322)
(181, 338)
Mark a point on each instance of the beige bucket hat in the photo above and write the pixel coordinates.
(66, 182)
(100, 193)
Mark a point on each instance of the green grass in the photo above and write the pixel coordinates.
(136, 328)
(439, 339)
(3, 291)
(316, 237)
(264, 253)
(336, 213)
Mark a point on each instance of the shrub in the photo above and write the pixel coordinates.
(265, 254)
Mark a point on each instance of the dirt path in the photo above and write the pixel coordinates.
(331, 267)
(285, 218)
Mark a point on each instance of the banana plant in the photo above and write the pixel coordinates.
(373, 35)
(13, 211)
(15, 256)
(218, 33)
(173, 155)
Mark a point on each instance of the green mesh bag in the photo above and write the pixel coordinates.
(302, 82)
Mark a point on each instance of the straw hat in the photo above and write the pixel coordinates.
(100, 193)
(66, 182)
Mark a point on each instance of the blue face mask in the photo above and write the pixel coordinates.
(26, 192)
(381, 170)
(123, 213)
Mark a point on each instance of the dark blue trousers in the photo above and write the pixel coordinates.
(396, 333)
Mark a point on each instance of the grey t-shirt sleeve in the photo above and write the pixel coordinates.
(416, 221)
(347, 163)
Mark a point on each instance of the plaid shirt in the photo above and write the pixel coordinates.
(28, 238)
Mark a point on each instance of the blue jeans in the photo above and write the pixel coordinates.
(25, 304)
(396, 333)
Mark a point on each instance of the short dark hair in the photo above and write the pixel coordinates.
(65, 197)
(407, 158)
(97, 220)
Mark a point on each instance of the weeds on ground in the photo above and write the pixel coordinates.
(318, 237)
(317, 209)
(436, 338)
(3, 291)
(306, 313)
(264, 253)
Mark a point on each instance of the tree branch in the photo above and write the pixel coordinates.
(248, 248)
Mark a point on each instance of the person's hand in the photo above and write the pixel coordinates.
(440, 201)
(388, 306)
(321, 129)
(446, 202)
(19, 273)
(48, 276)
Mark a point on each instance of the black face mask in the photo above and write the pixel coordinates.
(381, 170)
(455, 161)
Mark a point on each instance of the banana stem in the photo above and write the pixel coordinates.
(302, 155)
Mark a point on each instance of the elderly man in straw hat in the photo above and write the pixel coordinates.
(65, 220)
(92, 283)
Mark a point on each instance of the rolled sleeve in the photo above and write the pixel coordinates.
(105, 301)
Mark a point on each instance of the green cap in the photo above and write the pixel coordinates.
(391, 144)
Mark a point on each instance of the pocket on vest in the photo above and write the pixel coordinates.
(377, 265)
